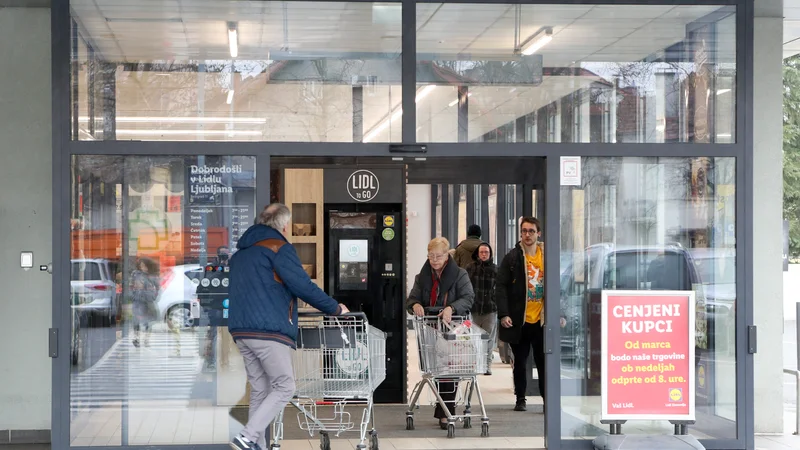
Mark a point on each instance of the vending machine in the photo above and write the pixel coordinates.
(365, 259)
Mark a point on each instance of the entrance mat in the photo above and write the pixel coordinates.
(390, 422)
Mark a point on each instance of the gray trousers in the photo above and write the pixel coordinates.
(269, 372)
(489, 324)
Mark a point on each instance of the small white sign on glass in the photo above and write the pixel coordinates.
(570, 171)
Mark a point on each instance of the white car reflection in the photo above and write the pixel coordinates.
(177, 297)
(93, 290)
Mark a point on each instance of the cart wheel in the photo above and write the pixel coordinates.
(485, 429)
(324, 441)
(409, 423)
(468, 422)
(373, 443)
(451, 430)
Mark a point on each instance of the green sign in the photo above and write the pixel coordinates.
(388, 234)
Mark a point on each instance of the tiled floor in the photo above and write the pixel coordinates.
(186, 421)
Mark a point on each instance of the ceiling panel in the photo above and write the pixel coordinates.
(176, 29)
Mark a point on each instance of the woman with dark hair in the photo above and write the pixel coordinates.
(442, 284)
(144, 292)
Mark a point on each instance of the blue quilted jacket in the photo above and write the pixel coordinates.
(267, 278)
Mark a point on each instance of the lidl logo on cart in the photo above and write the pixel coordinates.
(353, 360)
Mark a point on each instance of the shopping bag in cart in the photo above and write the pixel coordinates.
(458, 347)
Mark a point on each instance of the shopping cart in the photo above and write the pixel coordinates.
(456, 352)
(339, 362)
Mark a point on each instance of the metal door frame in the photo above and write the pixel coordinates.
(742, 150)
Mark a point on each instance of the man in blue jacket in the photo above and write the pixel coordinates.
(266, 280)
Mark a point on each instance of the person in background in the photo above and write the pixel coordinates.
(223, 256)
(144, 292)
(520, 305)
(266, 280)
(483, 273)
(466, 248)
(442, 284)
(213, 316)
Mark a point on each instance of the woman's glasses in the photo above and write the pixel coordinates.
(436, 256)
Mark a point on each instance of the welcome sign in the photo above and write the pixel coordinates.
(648, 355)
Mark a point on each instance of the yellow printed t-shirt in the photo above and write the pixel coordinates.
(535, 292)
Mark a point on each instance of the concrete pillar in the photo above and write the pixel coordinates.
(768, 211)
(26, 222)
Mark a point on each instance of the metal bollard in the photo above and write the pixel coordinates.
(797, 335)
(796, 374)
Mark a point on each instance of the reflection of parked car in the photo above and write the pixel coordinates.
(93, 290)
(605, 266)
(176, 295)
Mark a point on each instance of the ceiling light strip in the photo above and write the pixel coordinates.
(537, 41)
(149, 119)
(189, 132)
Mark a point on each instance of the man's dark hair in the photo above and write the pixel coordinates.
(532, 221)
(474, 230)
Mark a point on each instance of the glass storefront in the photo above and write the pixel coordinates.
(203, 92)
(576, 73)
(150, 242)
(236, 71)
(650, 224)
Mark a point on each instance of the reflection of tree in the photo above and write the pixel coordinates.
(315, 107)
(624, 198)
(689, 113)
(523, 71)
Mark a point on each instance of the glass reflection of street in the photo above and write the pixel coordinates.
(154, 372)
(151, 237)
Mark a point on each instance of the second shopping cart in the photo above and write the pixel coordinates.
(339, 363)
(451, 354)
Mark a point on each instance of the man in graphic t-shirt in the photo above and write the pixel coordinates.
(520, 305)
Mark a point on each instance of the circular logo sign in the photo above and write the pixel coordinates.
(215, 282)
(363, 186)
(388, 221)
(225, 282)
(226, 303)
(676, 394)
(388, 234)
(353, 251)
(195, 282)
(353, 360)
(205, 282)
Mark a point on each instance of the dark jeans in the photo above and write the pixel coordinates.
(532, 338)
(447, 390)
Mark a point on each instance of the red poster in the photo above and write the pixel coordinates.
(648, 355)
(174, 203)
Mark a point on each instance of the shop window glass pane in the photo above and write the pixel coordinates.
(152, 362)
(239, 71)
(650, 224)
(576, 73)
